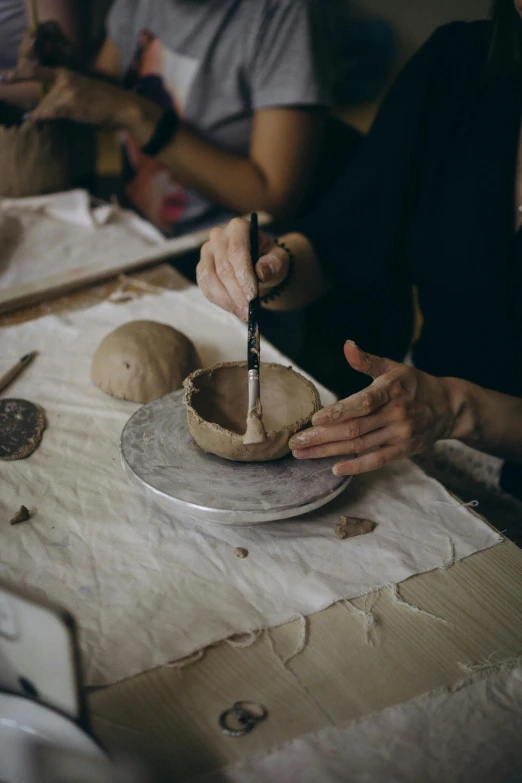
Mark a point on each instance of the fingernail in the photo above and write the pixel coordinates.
(264, 271)
(299, 440)
(250, 292)
(244, 313)
(351, 342)
(248, 287)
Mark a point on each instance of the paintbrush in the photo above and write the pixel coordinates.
(255, 432)
(11, 374)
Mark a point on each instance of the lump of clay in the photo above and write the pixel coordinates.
(217, 404)
(38, 158)
(143, 360)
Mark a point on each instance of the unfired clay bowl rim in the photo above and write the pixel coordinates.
(190, 389)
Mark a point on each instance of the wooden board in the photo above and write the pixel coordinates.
(62, 283)
(169, 716)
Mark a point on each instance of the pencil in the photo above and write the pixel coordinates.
(11, 374)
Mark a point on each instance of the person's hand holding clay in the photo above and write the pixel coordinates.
(225, 273)
(402, 413)
(93, 101)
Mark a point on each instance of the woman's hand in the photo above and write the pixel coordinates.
(400, 414)
(225, 273)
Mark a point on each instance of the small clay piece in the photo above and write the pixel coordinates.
(21, 516)
(240, 552)
(348, 527)
(22, 424)
(143, 360)
(217, 402)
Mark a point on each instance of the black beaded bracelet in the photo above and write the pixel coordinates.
(163, 133)
(277, 290)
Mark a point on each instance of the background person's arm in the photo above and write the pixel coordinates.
(274, 176)
(108, 59)
(283, 69)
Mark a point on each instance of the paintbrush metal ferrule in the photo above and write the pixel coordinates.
(253, 389)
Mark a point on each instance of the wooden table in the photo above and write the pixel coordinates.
(169, 715)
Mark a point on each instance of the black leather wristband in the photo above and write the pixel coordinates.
(163, 133)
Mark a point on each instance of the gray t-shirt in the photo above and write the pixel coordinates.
(215, 62)
(12, 26)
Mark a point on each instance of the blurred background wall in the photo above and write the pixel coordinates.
(375, 38)
(414, 20)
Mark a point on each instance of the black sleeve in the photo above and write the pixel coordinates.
(358, 227)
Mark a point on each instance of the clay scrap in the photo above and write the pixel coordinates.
(22, 424)
(21, 516)
(348, 527)
(217, 404)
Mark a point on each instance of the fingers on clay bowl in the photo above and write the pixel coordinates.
(216, 400)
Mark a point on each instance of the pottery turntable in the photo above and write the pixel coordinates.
(161, 457)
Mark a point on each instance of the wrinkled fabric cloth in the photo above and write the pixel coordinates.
(41, 236)
(469, 736)
(147, 588)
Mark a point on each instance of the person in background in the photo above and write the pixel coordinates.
(15, 19)
(433, 199)
(224, 109)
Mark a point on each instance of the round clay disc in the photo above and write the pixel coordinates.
(22, 425)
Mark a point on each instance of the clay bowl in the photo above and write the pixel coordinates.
(216, 399)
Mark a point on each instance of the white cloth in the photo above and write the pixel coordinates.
(469, 736)
(146, 588)
(43, 235)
